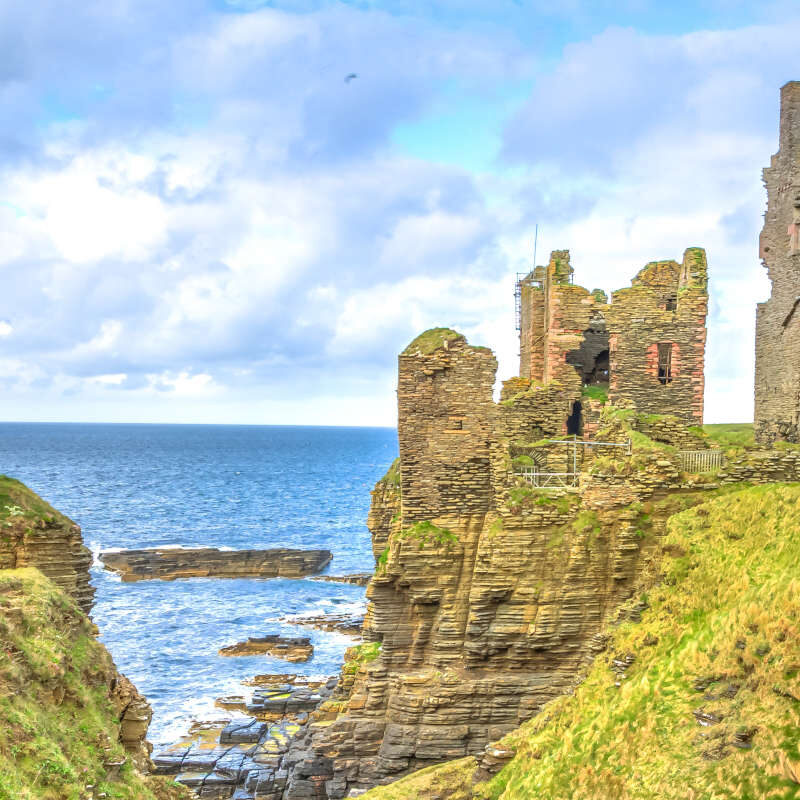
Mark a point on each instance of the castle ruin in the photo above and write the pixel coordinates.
(777, 390)
(647, 346)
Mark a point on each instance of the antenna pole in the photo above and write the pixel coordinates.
(535, 241)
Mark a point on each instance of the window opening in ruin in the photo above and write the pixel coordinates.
(591, 358)
(575, 419)
(665, 362)
(671, 302)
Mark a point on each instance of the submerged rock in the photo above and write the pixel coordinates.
(208, 562)
(289, 648)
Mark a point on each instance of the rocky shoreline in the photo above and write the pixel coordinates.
(253, 756)
(209, 562)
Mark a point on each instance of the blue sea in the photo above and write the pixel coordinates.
(237, 487)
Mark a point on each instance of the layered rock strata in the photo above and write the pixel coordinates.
(489, 594)
(289, 648)
(208, 562)
(347, 624)
(87, 718)
(249, 758)
(34, 534)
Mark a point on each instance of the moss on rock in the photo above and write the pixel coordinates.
(431, 340)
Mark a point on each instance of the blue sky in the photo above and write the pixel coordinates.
(202, 221)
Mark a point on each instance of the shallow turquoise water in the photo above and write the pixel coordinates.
(207, 485)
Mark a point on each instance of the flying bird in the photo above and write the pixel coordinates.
(350, 77)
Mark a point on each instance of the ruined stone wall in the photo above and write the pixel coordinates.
(565, 328)
(762, 466)
(531, 335)
(777, 385)
(642, 317)
(444, 396)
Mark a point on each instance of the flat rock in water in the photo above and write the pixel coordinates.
(208, 562)
(356, 578)
(289, 648)
(348, 624)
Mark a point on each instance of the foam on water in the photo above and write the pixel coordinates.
(135, 486)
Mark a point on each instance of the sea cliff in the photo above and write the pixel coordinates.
(71, 726)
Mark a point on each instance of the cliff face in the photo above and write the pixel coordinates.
(34, 534)
(489, 596)
(71, 726)
(697, 697)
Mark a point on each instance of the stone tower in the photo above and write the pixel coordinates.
(777, 391)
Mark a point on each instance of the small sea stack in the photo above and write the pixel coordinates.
(170, 563)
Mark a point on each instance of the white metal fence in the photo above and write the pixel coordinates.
(548, 480)
(700, 460)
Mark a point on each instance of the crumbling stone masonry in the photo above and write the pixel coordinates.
(647, 346)
(777, 391)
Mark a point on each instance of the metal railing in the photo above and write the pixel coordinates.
(700, 460)
(548, 480)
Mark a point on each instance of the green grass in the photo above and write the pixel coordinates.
(358, 656)
(18, 501)
(721, 636)
(595, 393)
(431, 340)
(426, 533)
(58, 727)
(739, 434)
(392, 477)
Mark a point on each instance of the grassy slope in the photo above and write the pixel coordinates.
(720, 637)
(738, 434)
(57, 724)
(18, 501)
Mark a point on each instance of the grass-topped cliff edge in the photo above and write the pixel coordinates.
(700, 700)
(60, 702)
(71, 727)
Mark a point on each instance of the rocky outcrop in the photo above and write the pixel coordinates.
(34, 534)
(289, 648)
(250, 757)
(348, 624)
(75, 723)
(489, 595)
(208, 562)
(356, 578)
